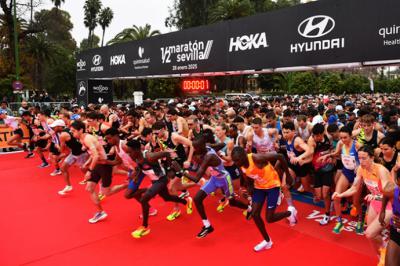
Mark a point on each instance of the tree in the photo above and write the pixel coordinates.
(231, 9)
(91, 10)
(42, 50)
(84, 45)
(134, 33)
(105, 18)
(57, 3)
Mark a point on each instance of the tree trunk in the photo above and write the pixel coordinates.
(102, 39)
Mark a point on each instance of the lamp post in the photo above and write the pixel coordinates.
(16, 48)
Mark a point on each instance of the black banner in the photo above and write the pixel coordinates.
(317, 34)
(100, 91)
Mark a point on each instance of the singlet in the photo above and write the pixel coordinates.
(392, 163)
(242, 134)
(265, 144)
(373, 142)
(225, 148)
(126, 159)
(73, 144)
(98, 133)
(218, 171)
(371, 179)
(180, 150)
(304, 133)
(350, 157)
(197, 135)
(54, 137)
(151, 169)
(396, 204)
(291, 149)
(321, 149)
(114, 124)
(265, 178)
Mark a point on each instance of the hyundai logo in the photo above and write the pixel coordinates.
(96, 60)
(316, 26)
(82, 88)
(140, 51)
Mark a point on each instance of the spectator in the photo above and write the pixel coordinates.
(4, 107)
(24, 107)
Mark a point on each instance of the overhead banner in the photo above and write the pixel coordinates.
(321, 33)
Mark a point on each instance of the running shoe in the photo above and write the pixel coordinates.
(353, 212)
(247, 213)
(338, 228)
(173, 215)
(382, 257)
(185, 180)
(300, 189)
(263, 245)
(101, 196)
(360, 228)
(293, 216)
(65, 190)
(189, 205)
(98, 216)
(222, 205)
(281, 196)
(184, 194)
(44, 165)
(29, 155)
(141, 231)
(56, 172)
(324, 220)
(205, 231)
(152, 212)
(83, 182)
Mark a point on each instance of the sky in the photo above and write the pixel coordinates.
(126, 14)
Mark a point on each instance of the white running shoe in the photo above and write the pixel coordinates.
(152, 212)
(300, 189)
(293, 216)
(324, 220)
(98, 216)
(263, 245)
(56, 172)
(65, 190)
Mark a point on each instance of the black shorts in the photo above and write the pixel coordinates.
(322, 178)
(103, 172)
(233, 171)
(394, 235)
(53, 149)
(42, 143)
(301, 170)
(19, 132)
(339, 165)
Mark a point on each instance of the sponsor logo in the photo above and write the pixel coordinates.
(142, 62)
(96, 60)
(117, 60)
(82, 88)
(316, 27)
(100, 89)
(140, 51)
(390, 35)
(248, 42)
(81, 65)
(186, 52)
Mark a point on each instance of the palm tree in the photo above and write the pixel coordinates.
(41, 51)
(134, 33)
(105, 18)
(231, 9)
(57, 3)
(91, 9)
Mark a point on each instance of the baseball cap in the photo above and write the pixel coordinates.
(58, 123)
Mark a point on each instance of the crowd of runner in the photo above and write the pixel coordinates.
(341, 149)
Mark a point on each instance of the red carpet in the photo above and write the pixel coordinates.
(41, 228)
